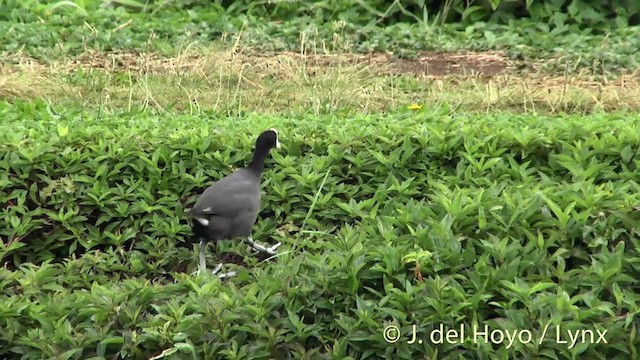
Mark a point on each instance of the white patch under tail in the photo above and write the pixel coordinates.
(203, 221)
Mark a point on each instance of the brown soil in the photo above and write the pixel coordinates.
(431, 64)
(426, 64)
(440, 64)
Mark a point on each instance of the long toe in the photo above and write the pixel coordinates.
(228, 274)
(218, 267)
(272, 250)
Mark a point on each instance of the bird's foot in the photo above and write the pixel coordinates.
(215, 271)
(271, 250)
(227, 274)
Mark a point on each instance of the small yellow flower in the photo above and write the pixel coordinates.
(415, 107)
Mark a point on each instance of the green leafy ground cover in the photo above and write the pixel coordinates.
(517, 222)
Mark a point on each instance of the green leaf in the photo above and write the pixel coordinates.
(540, 286)
(62, 130)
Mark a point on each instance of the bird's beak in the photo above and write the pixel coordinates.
(277, 142)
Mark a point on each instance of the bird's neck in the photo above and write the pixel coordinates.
(257, 163)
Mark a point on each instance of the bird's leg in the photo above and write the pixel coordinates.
(202, 266)
(267, 250)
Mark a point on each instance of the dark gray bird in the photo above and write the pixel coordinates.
(228, 209)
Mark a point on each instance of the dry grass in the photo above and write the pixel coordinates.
(236, 81)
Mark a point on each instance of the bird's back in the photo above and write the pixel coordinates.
(228, 208)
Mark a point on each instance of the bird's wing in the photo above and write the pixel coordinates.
(228, 197)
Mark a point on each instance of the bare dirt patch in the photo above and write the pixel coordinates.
(433, 64)
(439, 64)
